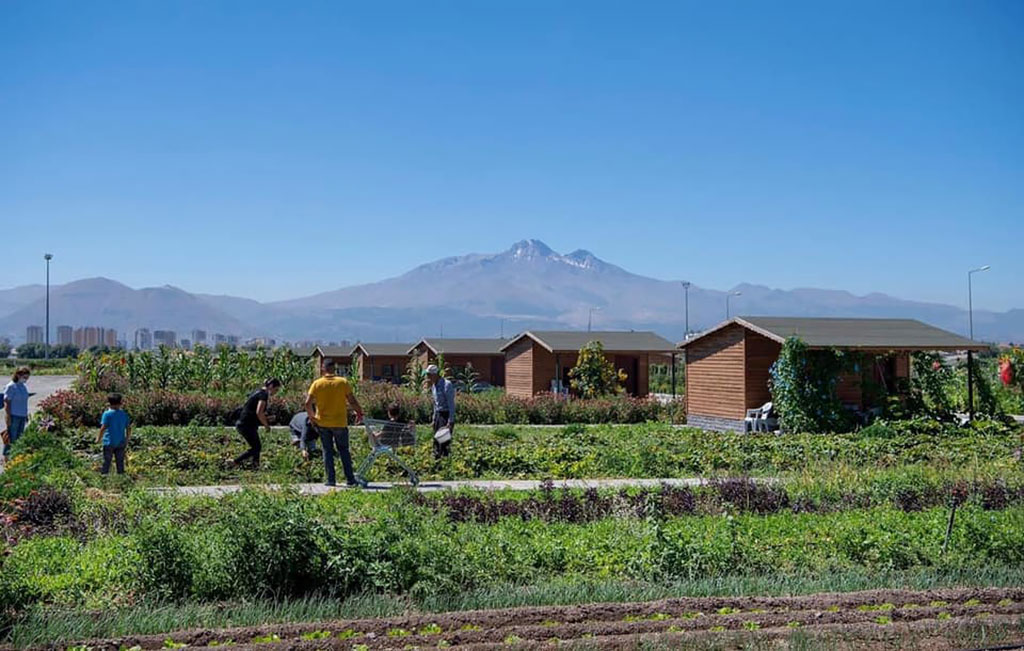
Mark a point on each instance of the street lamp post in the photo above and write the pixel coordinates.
(970, 354)
(46, 351)
(727, 297)
(686, 304)
(970, 298)
(590, 317)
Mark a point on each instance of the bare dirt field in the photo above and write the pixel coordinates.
(880, 619)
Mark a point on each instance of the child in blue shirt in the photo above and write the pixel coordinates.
(115, 428)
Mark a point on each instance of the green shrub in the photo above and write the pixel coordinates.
(73, 408)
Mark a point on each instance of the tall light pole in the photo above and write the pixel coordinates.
(590, 317)
(970, 354)
(503, 328)
(686, 303)
(46, 351)
(727, 297)
(970, 299)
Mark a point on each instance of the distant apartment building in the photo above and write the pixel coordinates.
(233, 340)
(262, 342)
(34, 334)
(143, 339)
(219, 339)
(65, 335)
(91, 336)
(167, 338)
(185, 344)
(86, 337)
(199, 337)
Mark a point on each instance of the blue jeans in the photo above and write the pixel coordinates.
(15, 430)
(331, 438)
(115, 453)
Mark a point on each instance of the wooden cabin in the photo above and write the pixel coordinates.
(727, 367)
(381, 362)
(342, 356)
(539, 361)
(484, 355)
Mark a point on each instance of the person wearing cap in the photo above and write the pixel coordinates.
(443, 392)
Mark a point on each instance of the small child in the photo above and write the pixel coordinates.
(115, 428)
(393, 412)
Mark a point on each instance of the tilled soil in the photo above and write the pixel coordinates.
(889, 619)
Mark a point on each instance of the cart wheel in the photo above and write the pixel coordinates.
(415, 481)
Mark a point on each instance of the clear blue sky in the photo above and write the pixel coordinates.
(277, 149)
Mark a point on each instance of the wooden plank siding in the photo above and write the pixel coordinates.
(519, 368)
(489, 368)
(529, 369)
(643, 376)
(544, 368)
(344, 362)
(372, 367)
(760, 353)
(715, 383)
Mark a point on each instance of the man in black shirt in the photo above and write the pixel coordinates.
(254, 413)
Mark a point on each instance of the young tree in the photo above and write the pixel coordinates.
(594, 375)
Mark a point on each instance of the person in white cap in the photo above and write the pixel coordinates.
(443, 392)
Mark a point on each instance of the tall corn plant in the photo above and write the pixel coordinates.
(413, 377)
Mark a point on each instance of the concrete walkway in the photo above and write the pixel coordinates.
(431, 486)
(44, 386)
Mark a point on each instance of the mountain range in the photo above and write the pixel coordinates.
(527, 286)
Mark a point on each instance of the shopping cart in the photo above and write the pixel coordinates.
(384, 437)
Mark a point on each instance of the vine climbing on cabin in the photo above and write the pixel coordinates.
(803, 387)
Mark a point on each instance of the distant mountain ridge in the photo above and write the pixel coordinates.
(529, 285)
(110, 304)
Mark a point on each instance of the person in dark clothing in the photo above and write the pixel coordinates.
(304, 435)
(253, 414)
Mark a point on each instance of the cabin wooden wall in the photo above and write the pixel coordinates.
(519, 368)
(715, 383)
(369, 367)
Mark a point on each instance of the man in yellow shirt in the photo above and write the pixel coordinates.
(327, 406)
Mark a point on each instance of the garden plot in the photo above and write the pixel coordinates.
(936, 619)
(198, 456)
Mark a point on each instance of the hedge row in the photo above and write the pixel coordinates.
(76, 408)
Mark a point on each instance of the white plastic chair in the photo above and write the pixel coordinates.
(760, 419)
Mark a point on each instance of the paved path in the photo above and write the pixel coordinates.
(431, 486)
(44, 386)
